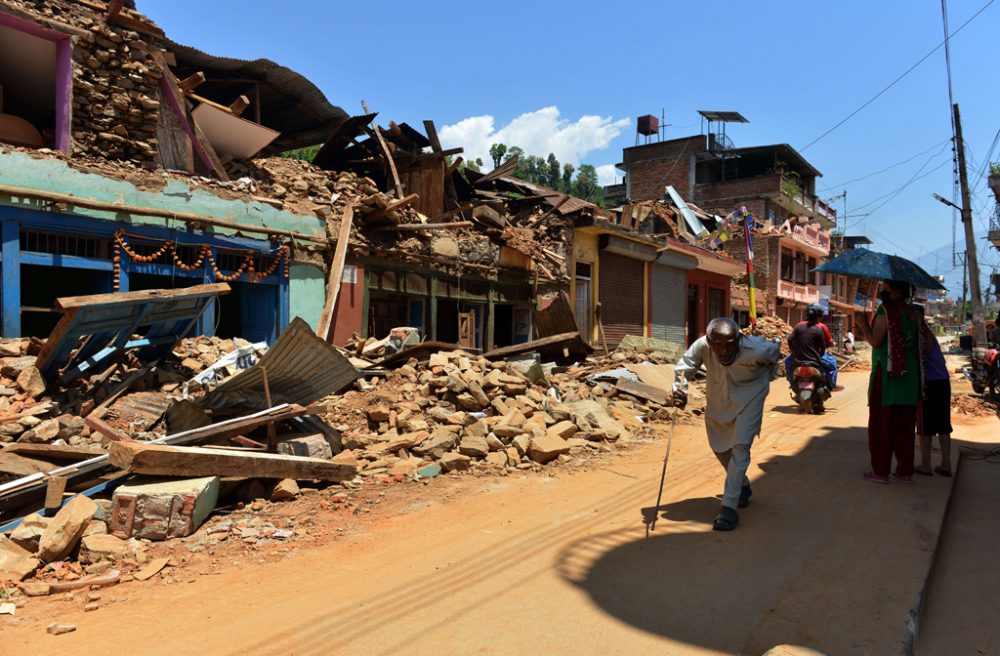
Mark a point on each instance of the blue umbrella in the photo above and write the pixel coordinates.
(863, 263)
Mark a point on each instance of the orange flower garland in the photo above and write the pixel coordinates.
(248, 266)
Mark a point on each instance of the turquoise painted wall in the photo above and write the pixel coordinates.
(306, 292)
(19, 169)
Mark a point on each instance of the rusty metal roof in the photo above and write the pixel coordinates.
(301, 368)
(290, 103)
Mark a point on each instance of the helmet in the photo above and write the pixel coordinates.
(815, 311)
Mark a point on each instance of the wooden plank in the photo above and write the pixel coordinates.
(57, 451)
(54, 491)
(394, 205)
(451, 193)
(191, 82)
(334, 275)
(104, 429)
(142, 296)
(161, 460)
(643, 391)
(14, 464)
(387, 154)
(175, 98)
(534, 345)
(457, 210)
(174, 146)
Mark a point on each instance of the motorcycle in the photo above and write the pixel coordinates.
(810, 387)
(985, 370)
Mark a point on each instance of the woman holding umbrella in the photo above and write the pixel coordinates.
(894, 388)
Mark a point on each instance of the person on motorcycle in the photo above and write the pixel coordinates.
(808, 343)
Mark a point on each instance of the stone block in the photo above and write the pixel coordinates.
(453, 461)
(441, 441)
(310, 446)
(29, 532)
(546, 448)
(158, 509)
(285, 490)
(474, 446)
(102, 547)
(66, 528)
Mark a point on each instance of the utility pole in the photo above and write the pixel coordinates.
(971, 261)
(965, 290)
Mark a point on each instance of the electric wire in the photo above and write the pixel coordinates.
(904, 74)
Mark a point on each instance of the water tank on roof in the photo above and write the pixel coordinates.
(649, 125)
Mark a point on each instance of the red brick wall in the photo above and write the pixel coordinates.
(654, 166)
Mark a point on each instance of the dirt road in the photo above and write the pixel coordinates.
(559, 564)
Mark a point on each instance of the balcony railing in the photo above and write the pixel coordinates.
(798, 292)
(813, 235)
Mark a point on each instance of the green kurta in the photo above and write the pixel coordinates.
(905, 389)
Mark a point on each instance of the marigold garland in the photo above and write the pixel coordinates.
(282, 254)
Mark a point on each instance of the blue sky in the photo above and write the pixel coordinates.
(571, 78)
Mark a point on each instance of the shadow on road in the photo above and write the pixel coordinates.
(815, 560)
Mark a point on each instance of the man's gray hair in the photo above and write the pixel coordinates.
(722, 326)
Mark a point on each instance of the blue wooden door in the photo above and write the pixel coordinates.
(259, 312)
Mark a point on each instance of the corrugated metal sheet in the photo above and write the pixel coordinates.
(301, 368)
(290, 103)
(621, 297)
(668, 301)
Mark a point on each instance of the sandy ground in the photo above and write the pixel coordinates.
(547, 564)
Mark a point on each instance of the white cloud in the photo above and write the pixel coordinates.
(607, 174)
(539, 133)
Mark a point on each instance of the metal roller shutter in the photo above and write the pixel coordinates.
(621, 296)
(669, 294)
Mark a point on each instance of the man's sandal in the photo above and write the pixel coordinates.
(874, 478)
(745, 494)
(727, 520)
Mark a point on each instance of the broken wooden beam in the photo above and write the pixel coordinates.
(458, 210)
(239, 105)
(391, 207)
(334, 275)
(161, 460)
(388, 156)
(105, 429)
(191, 82)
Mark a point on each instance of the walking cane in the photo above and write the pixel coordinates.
(651, 526)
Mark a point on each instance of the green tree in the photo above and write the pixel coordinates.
(476, 165)
(497, 152)
(586, 186)
(552, 172)
(307, 154)
(512, 152)
(567, 178)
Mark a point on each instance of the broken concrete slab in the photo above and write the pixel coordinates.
(438, 443)
(31, 382)
(474, 446)
(15, 563)
(66, 528)
(158, 509)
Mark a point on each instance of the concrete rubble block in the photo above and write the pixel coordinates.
(440, 441)
(546, 448)
(474, 446)
(102, 547)
(507, 431)
(285, 490)
(16, 563)
(29, 532)
(66, 528)
(558, 411)
(159, 509)
(476, 390)
(438, 359)
(453, 461)
(521, 443)
(309, 446)
(513, 456)
(346, 457)
(469, 402)
(479, 429)
(404, 468)
(13, 367)
(564, 429)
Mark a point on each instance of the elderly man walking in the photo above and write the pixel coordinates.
(740, 369)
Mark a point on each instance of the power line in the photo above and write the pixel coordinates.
(888, 168)
(905, 73)
(916, 176)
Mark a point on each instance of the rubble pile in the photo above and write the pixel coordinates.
(772, 328)
(463, 412)
(857, 363)
(974, 406)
